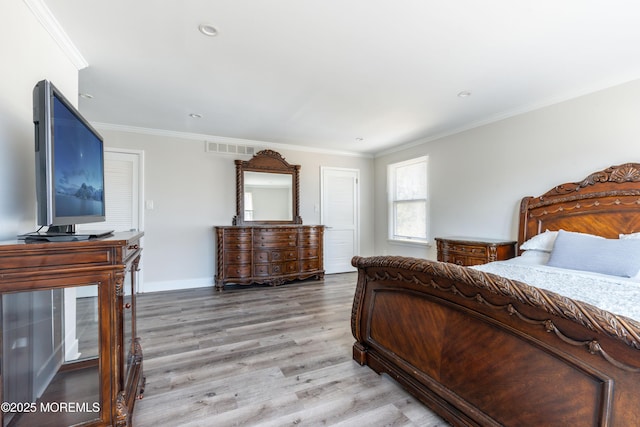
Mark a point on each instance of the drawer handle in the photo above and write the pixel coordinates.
(133, 247)
(127, 305)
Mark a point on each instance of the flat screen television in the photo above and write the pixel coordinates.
(69, 164)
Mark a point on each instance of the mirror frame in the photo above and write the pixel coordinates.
(271, 162)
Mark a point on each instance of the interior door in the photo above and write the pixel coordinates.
(340, 216)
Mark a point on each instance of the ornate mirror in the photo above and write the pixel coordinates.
(267, 190)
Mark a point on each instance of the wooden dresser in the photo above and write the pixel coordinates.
(473, 251)
(272, 254)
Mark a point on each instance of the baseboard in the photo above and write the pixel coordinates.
(175, 285)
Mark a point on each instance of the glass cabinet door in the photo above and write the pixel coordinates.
(51, 356)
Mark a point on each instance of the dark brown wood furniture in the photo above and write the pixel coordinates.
(469, 251)
(267, 242)
(484, 350)
(69, 332)
(278, 182)
(268, 254)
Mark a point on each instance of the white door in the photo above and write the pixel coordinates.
(340, 216)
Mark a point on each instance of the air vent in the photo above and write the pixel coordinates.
(223, 148)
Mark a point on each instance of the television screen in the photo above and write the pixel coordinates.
(78, 166)
(69, 163)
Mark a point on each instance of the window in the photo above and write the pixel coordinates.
(248, 206)
(407, 189)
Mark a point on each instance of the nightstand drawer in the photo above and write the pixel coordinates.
(456, 248)
(472, 251)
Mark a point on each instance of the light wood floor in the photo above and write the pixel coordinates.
(263, 356)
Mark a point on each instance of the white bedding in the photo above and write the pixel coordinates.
(615, 294)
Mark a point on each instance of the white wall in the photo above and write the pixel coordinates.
(28, 55)
(193, 191)
(478, 177)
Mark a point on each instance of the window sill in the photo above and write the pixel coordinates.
(409, 242)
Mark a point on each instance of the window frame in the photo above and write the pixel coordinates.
(393, 202)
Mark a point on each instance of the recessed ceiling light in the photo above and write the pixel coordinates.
(464, 94)
(208, 30)
(86, 96)
(195, 116)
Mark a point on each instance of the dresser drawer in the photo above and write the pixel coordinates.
(285, 234)
(234, 271)
(265, 244)
(265, 255)
(239, 245)
(309, 265)
(237, 257)
(238, 235)
(308, 253)
(261, 270)
(291, 267)
(309, 240)
(275, 268)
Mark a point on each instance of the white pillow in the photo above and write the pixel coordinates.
(615, 257)
(630, 236)
(540, 242)
(533, 257)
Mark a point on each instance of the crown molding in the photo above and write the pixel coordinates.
(53, 27)
(566, 97)
(223, 139)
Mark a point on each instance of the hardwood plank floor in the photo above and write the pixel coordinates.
(263, 356)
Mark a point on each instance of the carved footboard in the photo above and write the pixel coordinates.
(483, 350)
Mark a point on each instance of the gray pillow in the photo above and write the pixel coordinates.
(615, 257)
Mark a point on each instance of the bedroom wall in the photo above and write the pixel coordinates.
(28, 55)
(477, 177)
(193, 191)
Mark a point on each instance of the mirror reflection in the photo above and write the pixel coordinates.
(268, 196)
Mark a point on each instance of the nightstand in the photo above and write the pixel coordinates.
(473, 251)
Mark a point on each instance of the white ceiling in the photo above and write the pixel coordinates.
(323, 73)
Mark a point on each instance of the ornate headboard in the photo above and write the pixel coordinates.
(605, 203)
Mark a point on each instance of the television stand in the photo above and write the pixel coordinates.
(56, 236)
(72, 310)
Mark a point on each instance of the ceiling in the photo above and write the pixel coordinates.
(359, 76)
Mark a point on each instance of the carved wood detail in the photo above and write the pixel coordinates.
(465, 342)
(273, 162)
(618, 327)
(270, 255)
(613, 193)
(628, 172)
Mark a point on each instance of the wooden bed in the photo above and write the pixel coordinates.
(480, 349)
